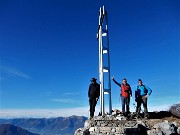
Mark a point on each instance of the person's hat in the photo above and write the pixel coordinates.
(139, 80)
(93, 79)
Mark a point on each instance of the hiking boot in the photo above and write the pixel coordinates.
(124, 114)
(146, 117)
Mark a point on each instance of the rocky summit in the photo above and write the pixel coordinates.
(159, 123)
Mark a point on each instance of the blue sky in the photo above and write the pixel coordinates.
(49, 51)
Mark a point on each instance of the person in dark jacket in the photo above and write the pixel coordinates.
(142, 93)
(125, 94)
(93, 94)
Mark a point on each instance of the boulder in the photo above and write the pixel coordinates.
(164, 128)
(178, 130)
(175, 110)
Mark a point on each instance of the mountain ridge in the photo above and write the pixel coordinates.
(48, 126)
(8, 129)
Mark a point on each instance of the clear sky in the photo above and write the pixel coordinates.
(49, 52)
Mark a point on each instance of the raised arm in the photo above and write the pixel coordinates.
(116, 82)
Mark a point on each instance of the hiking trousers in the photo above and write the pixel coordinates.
(92, 104)
(125, 104)
(142, 100)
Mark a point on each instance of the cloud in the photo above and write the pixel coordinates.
(43, 113)
(166, 98)
(151, 108)
(14, 72)
(71, 93)
(66, 112)
(69, 101)
(164, 107)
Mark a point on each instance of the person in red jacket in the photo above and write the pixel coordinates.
(125, 93)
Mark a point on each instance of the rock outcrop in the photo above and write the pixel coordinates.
(120, 125)
(164, 128)
(175, 110)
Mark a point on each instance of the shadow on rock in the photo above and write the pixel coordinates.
(159, 115)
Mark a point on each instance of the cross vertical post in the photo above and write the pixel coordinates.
(104, 60)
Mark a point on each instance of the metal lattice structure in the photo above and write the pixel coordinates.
(104, 60)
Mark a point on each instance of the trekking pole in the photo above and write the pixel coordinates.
(133, 103)
(135, 107)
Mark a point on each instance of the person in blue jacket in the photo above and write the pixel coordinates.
(141, 94)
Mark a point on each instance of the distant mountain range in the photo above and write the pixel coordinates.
(48, 126)
(8, 129)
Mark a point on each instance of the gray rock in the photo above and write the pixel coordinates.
(113, 130)
(119, 130)
(98, 124)
(174, 123)
(119, 118)
(113, 126)
(154, 132)
(97, 130)
(87, 124)
(109, 125)
(165, 127)
(175, 110)
(78, 131)
(98, 118)
(178, 130)
(82, 131)
(130, 123)
(141, 123)
(91, 129)
(86, 132)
